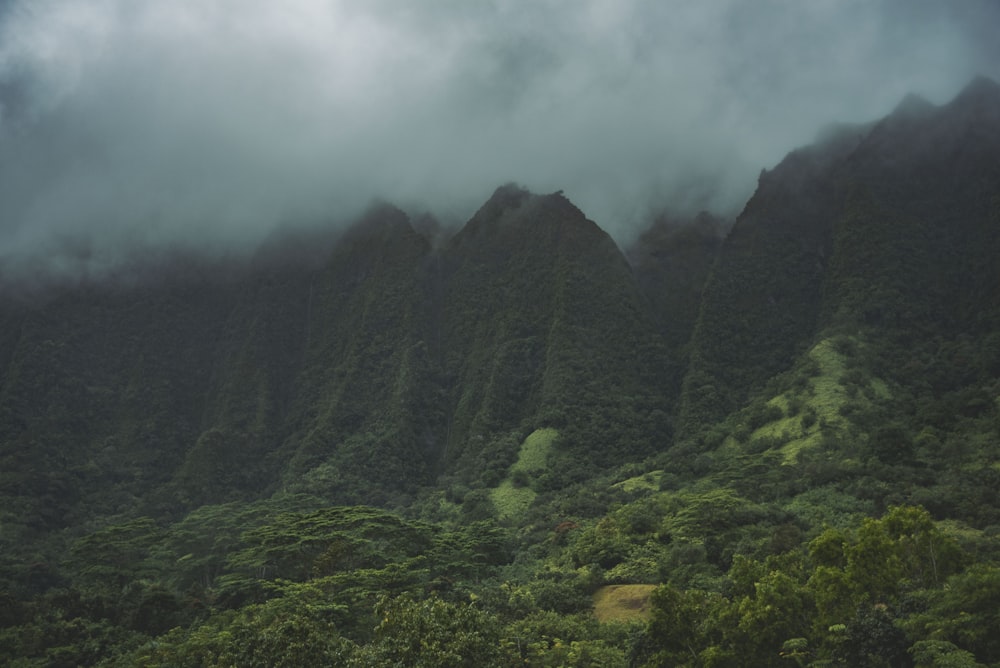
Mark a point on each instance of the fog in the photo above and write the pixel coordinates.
(129, 123)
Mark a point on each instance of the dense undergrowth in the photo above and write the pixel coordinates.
(801, 531)
(517, 449)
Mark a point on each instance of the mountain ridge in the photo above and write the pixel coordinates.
(774, 268)
(496, 319)
(781, 436)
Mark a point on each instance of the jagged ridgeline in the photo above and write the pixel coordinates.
(386, 363)
(544, 327)
(887, 233)
(189, 453)
(358, 378)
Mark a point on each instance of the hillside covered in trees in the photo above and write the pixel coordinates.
(770, 443)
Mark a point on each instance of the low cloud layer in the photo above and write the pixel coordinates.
(209, 123)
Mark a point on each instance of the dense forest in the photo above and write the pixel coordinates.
(773, 441)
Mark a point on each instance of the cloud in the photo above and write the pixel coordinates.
(210, 122)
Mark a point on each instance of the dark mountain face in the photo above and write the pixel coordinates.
(672, 260)
(176, 440)
(543, 326)
(892, 225)
(386, 365)
(185, 391)
(356, 380)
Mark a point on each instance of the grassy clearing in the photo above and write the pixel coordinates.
(792, 449)
(823, 400)
(622, 603)
(784, 429)
(534, 452)
(645, 482)
(828, 393)
(511, 501)
(826, 397)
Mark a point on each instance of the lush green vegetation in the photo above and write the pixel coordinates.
(514, 495)
(515, 449)
(746, 581)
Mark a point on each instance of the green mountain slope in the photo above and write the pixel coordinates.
(369, 449)
(543, 326)
(672, 261)
(361, 417)
(358, 379)
(890, 227)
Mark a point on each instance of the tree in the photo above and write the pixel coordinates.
(942, 654)
(432, 634)
(873, 639)
(685, 629)
(966, 613)
(779, 609)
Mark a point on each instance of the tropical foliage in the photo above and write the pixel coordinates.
(512, 447)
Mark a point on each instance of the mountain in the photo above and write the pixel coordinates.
(891, 224)
(543, 326)
(388, 363)
(357, 379)
(748, 443)
(672, 260)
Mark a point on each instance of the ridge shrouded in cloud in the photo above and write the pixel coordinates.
(210, 122)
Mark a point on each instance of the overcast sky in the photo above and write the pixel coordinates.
(211, 121)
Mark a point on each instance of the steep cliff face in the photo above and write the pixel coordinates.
(672, 261)
(184, 390)
(325, 385)
(358, 378)
(544, 326)
(383, 364)
(921, 225)
(889, 224)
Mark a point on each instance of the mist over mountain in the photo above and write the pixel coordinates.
(364, 365)
(862, 229)
(129, 126)
(514, 442)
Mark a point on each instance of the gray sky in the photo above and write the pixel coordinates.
(211, 121)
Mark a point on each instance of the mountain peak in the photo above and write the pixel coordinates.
(982, 84)
(507, 197)
(913, 105)
(382, 220)
(980, 92)
(512, 205)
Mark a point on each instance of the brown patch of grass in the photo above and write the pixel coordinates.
(622, 603)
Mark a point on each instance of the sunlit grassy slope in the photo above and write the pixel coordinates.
(513, 496)
(819, 405)
(647, 481)
(622, 603)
